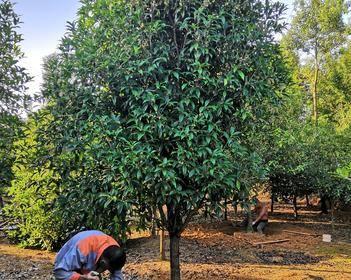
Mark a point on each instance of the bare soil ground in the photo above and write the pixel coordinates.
(217, 250)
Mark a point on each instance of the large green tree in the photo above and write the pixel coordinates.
(13, 79)
(151, 102)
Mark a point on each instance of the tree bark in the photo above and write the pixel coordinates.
(332, 206)
(324, 207)
(235, 213)
(225, 210)
(315, 83)
(123, 227)
(174, 250)
(272, 203)
(295, 206)
(249, 218)
(153, 221)
(162, 245)
(1, 202)
(206, 212)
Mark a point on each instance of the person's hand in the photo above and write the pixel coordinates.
(253, 223)
(92, 275)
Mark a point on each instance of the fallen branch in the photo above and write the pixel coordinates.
(271, 242)
(302, 233)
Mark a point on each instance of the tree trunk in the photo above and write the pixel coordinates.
(174, 250)
(123, 227)
(332, 206)
(272, 203)
(1, 202)
(225, 210)
(153, 221)
(162, 245)
(324, 207)
(235, 214)
(307, 200)
(315, 83)
(295, 207)
(314, 96)
(206, 212)
(249, 218)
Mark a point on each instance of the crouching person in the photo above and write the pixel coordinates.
(87, 254)
(261, 221)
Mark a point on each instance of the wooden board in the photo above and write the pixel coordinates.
(271, 242)
(301, 233)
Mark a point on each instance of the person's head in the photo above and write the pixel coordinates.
(113, 258)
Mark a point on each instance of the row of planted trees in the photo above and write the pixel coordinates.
(168, 105)
(313, 150)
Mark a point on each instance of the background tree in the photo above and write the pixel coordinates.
(13, 78)
(304, 158)
(318, 30)
(9, 129)
(33, 191)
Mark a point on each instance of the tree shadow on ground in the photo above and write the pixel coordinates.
(197, 251)
(203, 251)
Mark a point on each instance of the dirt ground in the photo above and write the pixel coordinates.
(218, 250)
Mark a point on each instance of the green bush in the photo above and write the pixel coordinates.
(32, 193)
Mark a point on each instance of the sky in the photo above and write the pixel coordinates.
(43, 24)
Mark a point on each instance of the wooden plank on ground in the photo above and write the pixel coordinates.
(270, 242)
(301, 233)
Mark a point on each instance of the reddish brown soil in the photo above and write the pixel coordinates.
(217, 250)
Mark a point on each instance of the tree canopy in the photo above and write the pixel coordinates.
(155, 110)
(151, 101)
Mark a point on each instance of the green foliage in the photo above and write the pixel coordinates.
(335, 89)
(9, 130)
(32, 193)
(153, 103)
(304, 157)
(12, 86)
(12, 76)
(318, 26)
(291, 147)
(345, 172)
(152, 97)
(318, 30)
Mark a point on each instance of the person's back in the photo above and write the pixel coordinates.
(262, 217)
(89, 251)
(262, 207)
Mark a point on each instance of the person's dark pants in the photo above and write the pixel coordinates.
(260, 226)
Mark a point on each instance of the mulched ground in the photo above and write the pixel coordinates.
(286, 257)
(217, 250)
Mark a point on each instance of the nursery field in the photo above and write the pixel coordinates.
(218, 250)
